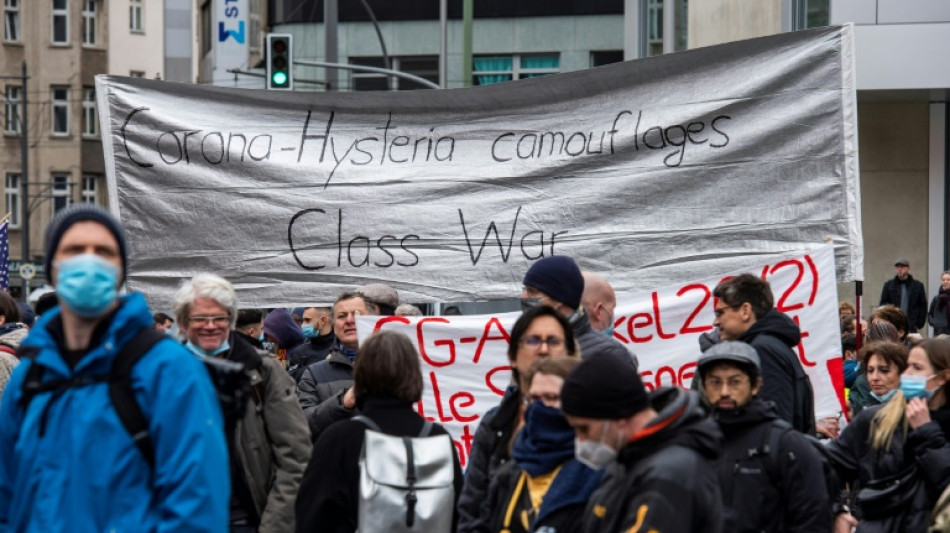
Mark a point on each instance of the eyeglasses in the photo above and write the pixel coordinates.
(732, 383)
(722, 310)
(217, 320)
(535, 342)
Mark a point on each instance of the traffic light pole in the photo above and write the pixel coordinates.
(330, 20)
(24, 178)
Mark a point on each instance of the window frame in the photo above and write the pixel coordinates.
(12, 12)
(59, 103)
(58, 192)
(136, 16)
(13, 197)
(396, 62)
(90, 115)
(517, 72)
(9, 105)
(90, 195)
(90, 23)
(59, 12)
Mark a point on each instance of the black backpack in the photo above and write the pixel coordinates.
(771, 444)
(232, 385)
(120, 387)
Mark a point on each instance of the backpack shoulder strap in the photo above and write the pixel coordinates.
(771, 447)
(121, 394)
(426, 429)
(32, 384)
(367, 422)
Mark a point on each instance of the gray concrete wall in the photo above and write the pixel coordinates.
(893, 141)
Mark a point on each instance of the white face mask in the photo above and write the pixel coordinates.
(594, 455)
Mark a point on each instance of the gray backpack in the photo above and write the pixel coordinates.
(406, 483)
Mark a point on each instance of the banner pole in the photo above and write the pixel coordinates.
(858, 296)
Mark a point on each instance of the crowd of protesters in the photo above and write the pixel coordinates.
(218, 418)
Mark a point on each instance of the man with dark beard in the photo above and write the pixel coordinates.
(763, 489)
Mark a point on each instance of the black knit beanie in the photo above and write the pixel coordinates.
(604, 387)
(80, 213)
(559, 277)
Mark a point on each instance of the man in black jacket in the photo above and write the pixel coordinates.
(772, 478)
(907, 294)
(745, 312)
(658, 450)
(317, 328)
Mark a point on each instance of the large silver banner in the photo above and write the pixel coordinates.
(651, 172)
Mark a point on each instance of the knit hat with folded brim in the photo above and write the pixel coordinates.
(604, 387)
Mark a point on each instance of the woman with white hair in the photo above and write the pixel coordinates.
(271, 443)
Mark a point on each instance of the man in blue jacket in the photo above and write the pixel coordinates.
(67, 461)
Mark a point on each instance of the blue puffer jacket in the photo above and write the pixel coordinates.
(84, 473)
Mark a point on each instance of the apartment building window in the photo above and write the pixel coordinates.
(136, 74)
(496, 69)
(60, 110)
(90, 22)
(426, 67)
(11, 109)
(206, 30)
(11, 20)
(60, 192)
(90, 120)
(598, 59)
(90, 189)
(13, 199)
(60, 22)
(254, 20)
(135, 16)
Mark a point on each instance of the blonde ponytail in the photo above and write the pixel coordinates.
(886, 422)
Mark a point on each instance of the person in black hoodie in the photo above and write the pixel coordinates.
(763, 489)
(939, 314)
(745, 312)
(658, 451)
(907, 294)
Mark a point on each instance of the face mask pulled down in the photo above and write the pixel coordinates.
(596, 454)
(87, 284)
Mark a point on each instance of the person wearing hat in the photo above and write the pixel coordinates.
(767, 489)
(658, 451)
(907, 294)
(67, 462)
(557, 281)
(381, 296)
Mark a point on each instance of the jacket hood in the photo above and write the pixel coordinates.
(128, 319)
(753, 413)
(281, 326)
(13, 334)
(776, 324)
(681, 420)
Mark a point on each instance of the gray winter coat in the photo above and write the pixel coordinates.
(320, 391)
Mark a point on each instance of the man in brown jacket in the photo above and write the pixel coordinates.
(271, 443)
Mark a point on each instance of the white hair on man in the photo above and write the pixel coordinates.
(205, 285)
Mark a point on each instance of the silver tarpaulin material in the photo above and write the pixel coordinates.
(651, 172)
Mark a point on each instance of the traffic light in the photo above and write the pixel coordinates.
(280, 67)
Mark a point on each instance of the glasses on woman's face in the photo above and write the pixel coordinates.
(535, 342)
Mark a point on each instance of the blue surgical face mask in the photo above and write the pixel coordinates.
(883, 398)
(309, 331)
(86, 284)
(916, 387)
(201, 352)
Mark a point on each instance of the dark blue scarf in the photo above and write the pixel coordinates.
(545, 442)
(350, 354)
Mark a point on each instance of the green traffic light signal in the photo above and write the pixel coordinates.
(279, 78)
(279, 61)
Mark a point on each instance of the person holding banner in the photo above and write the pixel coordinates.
(896, 454)
(544, 487)
(658, 451)
(745, 312)
(539, 332)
